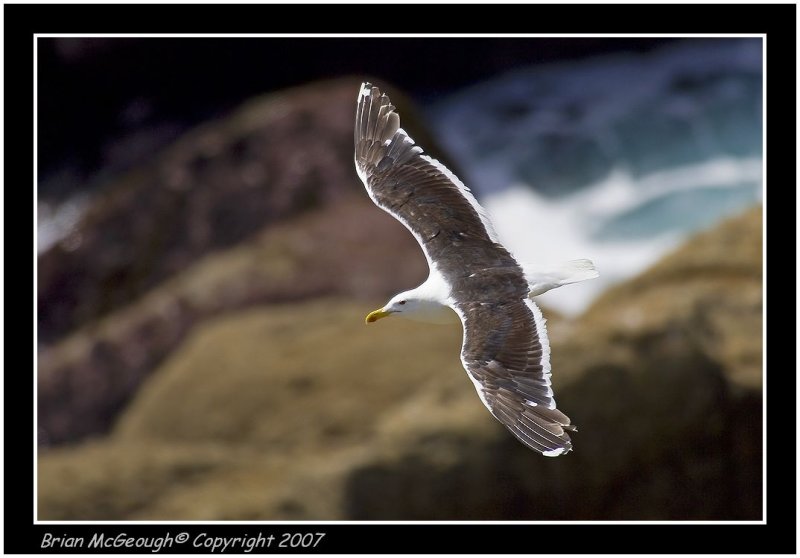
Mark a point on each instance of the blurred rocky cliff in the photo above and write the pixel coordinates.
(190, 374)
(260, 207)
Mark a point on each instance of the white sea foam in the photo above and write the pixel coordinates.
(616, 159)
(56, 222)
(545, 231)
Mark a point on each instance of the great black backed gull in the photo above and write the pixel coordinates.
(505, 350)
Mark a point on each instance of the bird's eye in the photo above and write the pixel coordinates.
(402, 302)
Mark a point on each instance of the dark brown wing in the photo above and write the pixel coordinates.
(426, 197)
(507, 355)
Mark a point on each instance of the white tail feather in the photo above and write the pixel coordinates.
(542, 280)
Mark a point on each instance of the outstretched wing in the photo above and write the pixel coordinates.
(423, 194)
(507, 355)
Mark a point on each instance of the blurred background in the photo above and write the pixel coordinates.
(207, 254)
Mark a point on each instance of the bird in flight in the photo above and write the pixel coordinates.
(505, 349)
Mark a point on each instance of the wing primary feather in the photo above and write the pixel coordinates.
(520, 395)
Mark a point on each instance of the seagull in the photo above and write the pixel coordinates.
(472, 276)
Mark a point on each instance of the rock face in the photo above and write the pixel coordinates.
(214, 187)
(274, 158)
(300, 411)
(86, 379)
(261, 206)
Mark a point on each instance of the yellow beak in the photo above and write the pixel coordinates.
(376, 315)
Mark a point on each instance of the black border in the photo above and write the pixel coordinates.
(778, 22)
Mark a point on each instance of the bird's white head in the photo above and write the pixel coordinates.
(416, 304)
(405, 302)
